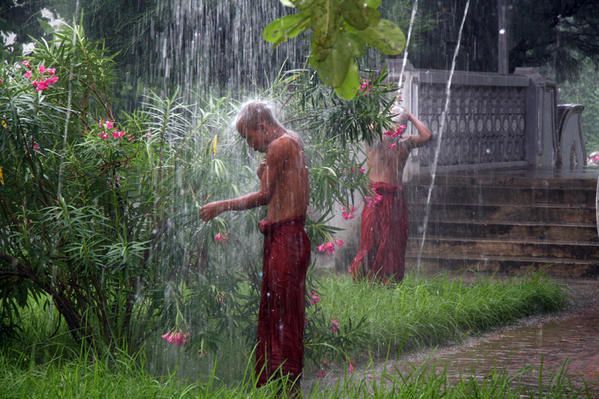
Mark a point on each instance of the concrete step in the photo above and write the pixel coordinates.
(476, 247)
(505, 179)
(496, 212)
(508, 230)
(479, 194)
(570, 268)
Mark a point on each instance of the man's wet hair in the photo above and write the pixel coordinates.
(253, 114)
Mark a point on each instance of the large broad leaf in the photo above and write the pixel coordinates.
(358, 16)
(333, 65)
(350, 86)
(385, 37)
(282, 29)
(372, 3)
(324, 18)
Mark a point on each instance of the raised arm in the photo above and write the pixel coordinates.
(424, 133)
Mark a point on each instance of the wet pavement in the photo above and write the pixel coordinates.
(540, 345)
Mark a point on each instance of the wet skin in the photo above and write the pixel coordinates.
(283, 177)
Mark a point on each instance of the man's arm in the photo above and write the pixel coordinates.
(424, 133)
(268, 178)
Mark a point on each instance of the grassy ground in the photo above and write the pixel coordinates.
(421, 312)
(371, 318)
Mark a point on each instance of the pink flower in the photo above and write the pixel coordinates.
(42, 68)
(350, 368)
(52, 80)
(327, 247)
(27, 75)
(400, 130)
(176, 338)
(103, 135)
(117, 134)
(314, 297)
(374, 200)
(26, 64)
(365, 86)
(36, 147)
(109, 124)
(220, 237)
(392, 146)
(339, 243)
(335, 326)
(51, 71)
(348, 214)
(397, 132)
(321, 374)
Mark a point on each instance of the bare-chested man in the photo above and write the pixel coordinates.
(284, 190)
(385, 216)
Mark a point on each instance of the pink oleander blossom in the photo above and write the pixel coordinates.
(117, 134)
(392, 146)
(362, 170)
(51, 71)
(350, 368)
(314, 297)
(176, 338)
(339, 243)
(103, 135)
(108, 124)
(374, 200)
(327, 247)
(42, 68)
(220, 237)
(365, 86)
(335, 326)
(321, 374)
(36, 147)
(348, 213)
(27, 75)
(26, 64)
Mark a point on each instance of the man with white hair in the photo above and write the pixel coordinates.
(284, 190)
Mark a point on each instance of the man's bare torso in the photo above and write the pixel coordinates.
(291, 189)
(386, 164)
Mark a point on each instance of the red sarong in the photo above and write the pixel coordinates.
(280, 345)
(384, 234)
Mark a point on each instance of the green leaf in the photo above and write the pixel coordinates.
(385, 37)
(348, 89)
(358, 16)
(334, 66)
(282, 29)
(373, 3)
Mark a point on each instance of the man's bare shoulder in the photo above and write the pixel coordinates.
(286, 143)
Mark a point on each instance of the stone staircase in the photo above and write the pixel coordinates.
(509, 222)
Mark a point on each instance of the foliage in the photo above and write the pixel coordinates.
(341, 32)
(87, 202)
(120, 374)
(585, 91)
(124, 378)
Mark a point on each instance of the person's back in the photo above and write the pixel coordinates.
(385, 216)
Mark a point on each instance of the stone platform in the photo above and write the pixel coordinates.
(509, 221)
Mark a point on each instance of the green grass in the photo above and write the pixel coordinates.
(43, 362)
(422, 312)
(124, 378)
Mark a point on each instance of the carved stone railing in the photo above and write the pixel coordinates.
(493, 120)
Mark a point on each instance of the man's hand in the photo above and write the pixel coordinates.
(211, 210)
(261, 169)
